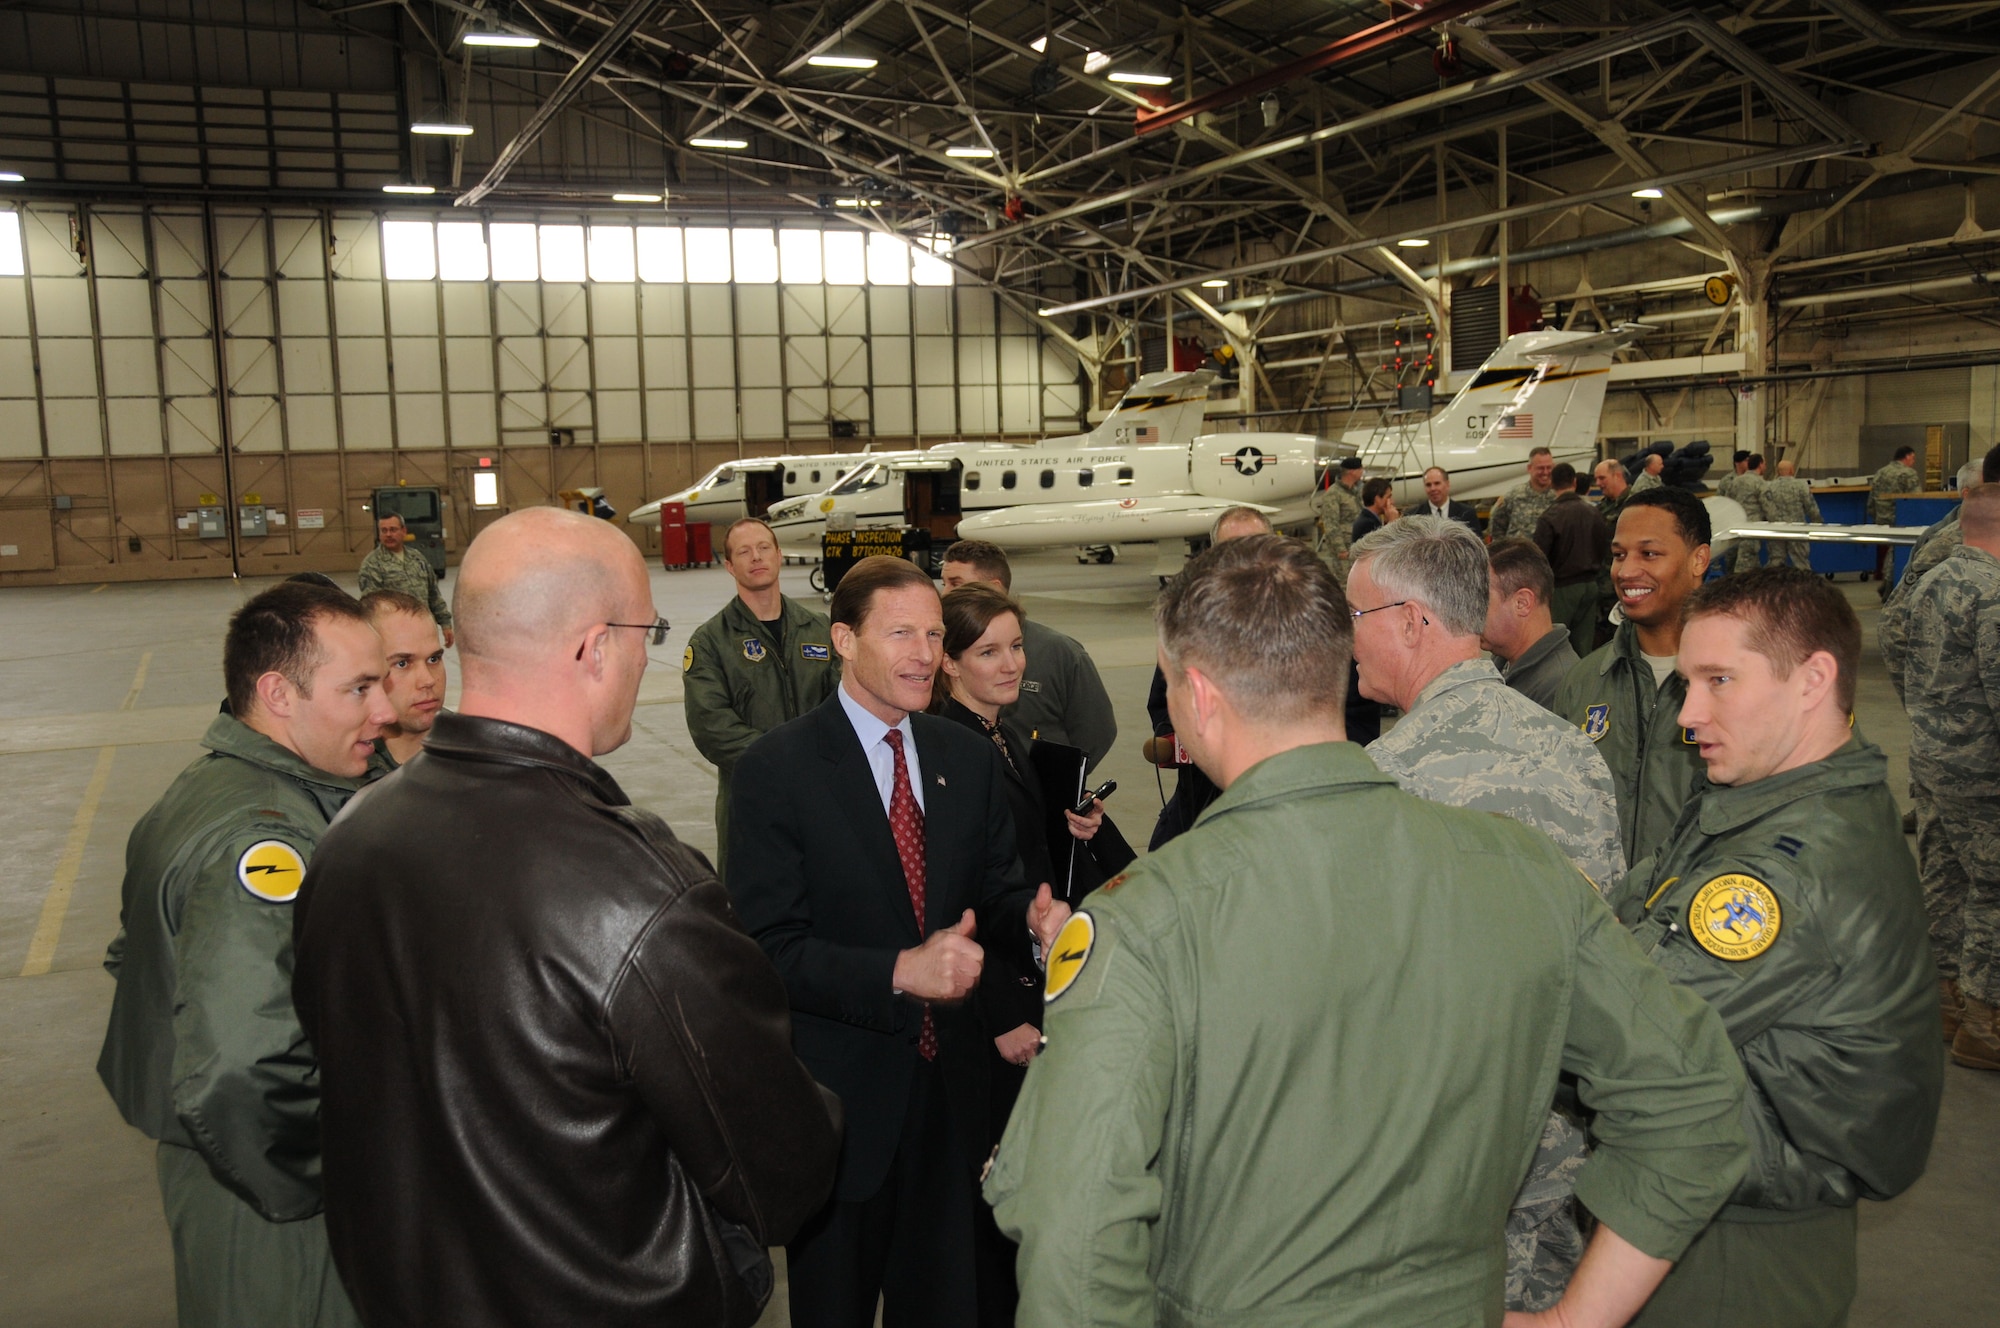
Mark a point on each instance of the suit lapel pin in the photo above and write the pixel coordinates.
(940, 781)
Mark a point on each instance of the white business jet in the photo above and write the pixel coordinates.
(749, 486)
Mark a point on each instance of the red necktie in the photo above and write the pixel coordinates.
(906, 823)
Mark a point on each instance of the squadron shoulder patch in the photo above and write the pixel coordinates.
(753, 649)
(271, 870)
(1597, 721)
(1734, 917)
(1687, 736)
(687, 659)
(811, 652)
(1068, 955)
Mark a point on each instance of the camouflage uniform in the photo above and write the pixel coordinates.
(1646, 480)
(1790, 499)
(1892, 632)
(1750, 490)
(409, 572)
(1519, 510)
(1951, 680)
(1883, 487)
(1472, 741)
(1335, 510)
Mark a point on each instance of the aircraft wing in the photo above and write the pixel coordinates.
(1788, 530)
(1132, 520)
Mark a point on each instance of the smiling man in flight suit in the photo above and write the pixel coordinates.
(1300, 1058)
(763, 660)
(1787, 900)
(204, 1052)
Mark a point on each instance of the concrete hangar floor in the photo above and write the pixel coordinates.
(103, 692)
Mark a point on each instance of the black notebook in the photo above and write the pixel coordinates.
(1061, 770)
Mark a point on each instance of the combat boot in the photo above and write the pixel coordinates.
(1977, 1046)
(1951, 1003)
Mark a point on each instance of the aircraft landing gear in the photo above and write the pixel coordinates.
(1100, 554)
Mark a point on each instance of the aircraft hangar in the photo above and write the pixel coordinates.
(272, 268)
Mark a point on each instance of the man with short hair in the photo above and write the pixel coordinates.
(1612, 482)
(1062, 697)
(393, 565)
(1649, 473)
(1522, 506)
(1336, 507)
(1625, 695)
(203, 1052)
(1420, 591)
(870, 843)
(1790, 499)
(1952, 689)
(1899, 476)
(415, 683)
(1578, 546)
(1378, 508)
(1534, 650)
(1438, 501)
(558, 1082)
(1751, 486)
(1786, 899)
(1210, 1012)
(762, 660)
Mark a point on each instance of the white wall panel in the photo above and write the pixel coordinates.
(517, 309)
(357, 308)
(714, 413)
(17, 367)
(413, 308)
(893, 414)
(571, 410)
(848, 403)
(364, 422)
(711, 310)
(473, 420)
(614, 309)
(663, 310)
(364, 364)
(520, 365)
(466, 311)
(301, 249)
(189, 366)
(20, 429)
(240, 241)
(253, 367)
(14, 307)
(256, 424)
(763, 413)
(135, 426)
(665, 360)
(667, 416)
(417, 364)
(617, 362)
(937, 410)
(714, 366)
(308, 365)
(419, 419)
(761, 364)
(975, 362)
(978, 410)
(118, 248)
(124, 307)
(45, 231)
(889, 308)
(933, 310)
(569, 364)
(975, 309)
(891, 363)
(183, 308)
(847, 310)
(357, 249)
(564, 309)
(62, 306)
(935, 362)
(524, 411)
(805, 361)
(69, 367)
(302, 308)
(469, 361)
(757, 310)
(179, 249)
(1017, 408)
(803, 309)
(310, 422)
(75, 429)
(192, 427)
(618, 417)
(246, 308)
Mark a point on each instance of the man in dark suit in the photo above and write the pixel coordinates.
(869, 845)
(1439, 502)
(1378, 508)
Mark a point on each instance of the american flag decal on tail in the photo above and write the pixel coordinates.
(1146, 433)
(1516, 426)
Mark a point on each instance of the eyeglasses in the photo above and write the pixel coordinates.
(1357, 614)
(658, 627)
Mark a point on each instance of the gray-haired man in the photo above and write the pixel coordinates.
(1419, 592)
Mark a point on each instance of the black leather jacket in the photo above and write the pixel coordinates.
(550, 1056)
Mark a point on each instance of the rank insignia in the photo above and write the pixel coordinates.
(1734, 917)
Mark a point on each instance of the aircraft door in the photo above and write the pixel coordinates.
(761, 488)
(931, 501)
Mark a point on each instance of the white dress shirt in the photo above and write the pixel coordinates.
(881, 760)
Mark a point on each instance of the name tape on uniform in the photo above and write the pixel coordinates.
(271, 870)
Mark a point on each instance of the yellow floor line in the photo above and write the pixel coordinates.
(42, 949)
(138, 682)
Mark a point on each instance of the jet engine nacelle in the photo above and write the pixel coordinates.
(1257, 467)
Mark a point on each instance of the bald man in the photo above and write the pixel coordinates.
(557, 1078)
(1789, 498)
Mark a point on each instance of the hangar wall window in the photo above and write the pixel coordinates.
(12, 263)
(927, 265)
(409, 251)
(660, 254)
(846, 261)
(798, 258)
(485, 488)
(461, 251)
(707, 254)
(563, 253)
(756, 254)
(611, 254)
(513, 248)
(888, 260)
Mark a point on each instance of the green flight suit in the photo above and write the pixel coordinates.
(1299, 1060)
(738, 684)
(203, 1051)
(1062, 697)
(1791, 906)
(1636, 726)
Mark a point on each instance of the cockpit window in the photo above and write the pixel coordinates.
(722, 474)
(865, 478)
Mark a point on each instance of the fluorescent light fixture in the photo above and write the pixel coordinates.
(12, 177)
(1143, 80)
(857, 202)
(408, 189)
(1215, 283)
(636, 198)
(499, 39)
(720, 144)
(1038, 45)
(1094, 61)
(447, 130)
(1649, 193)
(968, 152)
(1413, 242)
(826, 61)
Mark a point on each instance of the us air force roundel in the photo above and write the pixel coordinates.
(1597, 722)
(1734, 917)
(1067, 956)
(271, 870)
